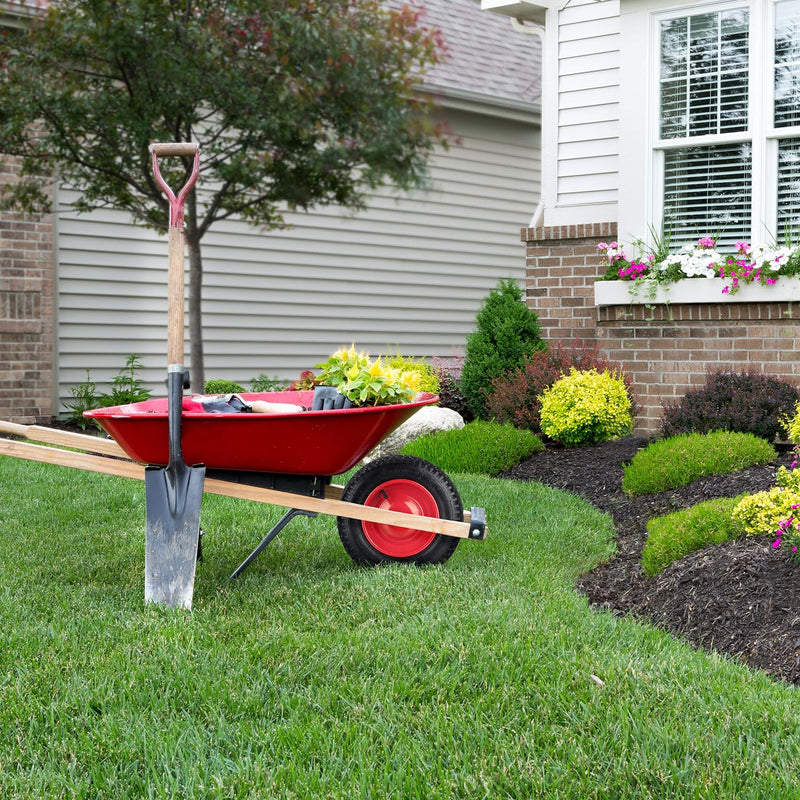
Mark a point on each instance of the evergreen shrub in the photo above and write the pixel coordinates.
(506, 332)
(222, 386)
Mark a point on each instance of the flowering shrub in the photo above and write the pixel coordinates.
(788, 533)
(772, 510)
(748, 264)
(586, 407)
(367, 382)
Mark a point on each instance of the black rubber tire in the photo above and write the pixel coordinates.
(412, 476)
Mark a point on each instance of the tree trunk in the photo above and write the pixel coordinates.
(197, 366)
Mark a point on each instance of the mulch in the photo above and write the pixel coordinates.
(740, 598)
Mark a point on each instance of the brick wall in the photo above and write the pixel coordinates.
(666, 349)
(27, 335)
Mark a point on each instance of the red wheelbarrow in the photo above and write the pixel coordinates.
(394, 509)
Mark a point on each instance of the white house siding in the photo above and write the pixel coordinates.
(407, 275)
(583, 138)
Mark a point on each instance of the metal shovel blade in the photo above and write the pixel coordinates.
(173, 496)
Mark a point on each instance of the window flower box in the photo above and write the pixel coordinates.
(693, 290)
(698, 273)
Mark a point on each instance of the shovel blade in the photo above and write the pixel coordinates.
(173, 496)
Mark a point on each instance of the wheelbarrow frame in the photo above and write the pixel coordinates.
(300, 494)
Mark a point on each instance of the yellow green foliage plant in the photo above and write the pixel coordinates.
(428, 378)
(774, 510)
(586, 407)
(366, 382)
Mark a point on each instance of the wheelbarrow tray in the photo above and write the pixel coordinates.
(307, 443)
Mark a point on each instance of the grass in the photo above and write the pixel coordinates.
(678, 460)
(675, 535)
(489, 677)
(479, 448)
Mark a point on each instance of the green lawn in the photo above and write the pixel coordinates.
(488, 677)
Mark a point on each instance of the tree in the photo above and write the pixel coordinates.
(294, 103)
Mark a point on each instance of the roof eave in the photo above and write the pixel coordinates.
(486, 105)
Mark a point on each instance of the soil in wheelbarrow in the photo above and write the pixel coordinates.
(740, 598)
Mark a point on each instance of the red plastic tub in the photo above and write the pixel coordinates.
(308, 443)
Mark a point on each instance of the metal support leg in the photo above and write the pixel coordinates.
(279, 526)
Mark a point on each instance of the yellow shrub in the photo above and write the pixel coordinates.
(586, 407)
(764, 511)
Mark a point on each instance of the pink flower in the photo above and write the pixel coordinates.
(602, 246)
(705, 241)
(726, 290)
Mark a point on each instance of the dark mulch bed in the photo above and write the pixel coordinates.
(741, 598)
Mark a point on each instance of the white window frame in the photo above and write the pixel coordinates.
(760, 71)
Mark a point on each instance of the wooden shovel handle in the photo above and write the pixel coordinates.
(175, 290)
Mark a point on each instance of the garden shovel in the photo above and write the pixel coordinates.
(173, 494)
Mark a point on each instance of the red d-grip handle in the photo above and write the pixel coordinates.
(176, 202)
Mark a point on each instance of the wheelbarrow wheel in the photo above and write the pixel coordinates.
(412, 486)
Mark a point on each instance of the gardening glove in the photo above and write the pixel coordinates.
(328, 397)
(230, 404)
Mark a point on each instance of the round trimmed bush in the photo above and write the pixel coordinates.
(586, 407)
(745, 402)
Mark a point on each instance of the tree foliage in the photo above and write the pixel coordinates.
(294, 103)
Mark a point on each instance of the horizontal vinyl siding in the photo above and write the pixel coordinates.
(588, 104)
(409, 274)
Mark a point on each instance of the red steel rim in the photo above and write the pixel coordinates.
(408, 497)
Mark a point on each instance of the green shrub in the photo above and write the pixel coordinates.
(222, 386)
(763, 512)
(506, 331)
(675, 535)
(669, 463)
(585, 407)
(84, 398)
(747, 402)
(263, 383)
(126, 387)
(480, 448)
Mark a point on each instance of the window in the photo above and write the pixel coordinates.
(727, 149)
